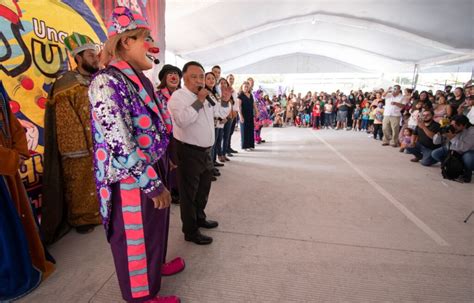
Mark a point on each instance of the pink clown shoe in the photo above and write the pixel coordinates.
(257, 139)
(170, 299)
(173, 267)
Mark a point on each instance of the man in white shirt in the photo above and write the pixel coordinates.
(394, 102)
(193, 130)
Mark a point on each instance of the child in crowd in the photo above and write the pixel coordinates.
(356, 117)
(404, 122)
(307, 118)
(298, 121)
(278, 116)
(370, 125)
(301, 114)
(365, 116)
(316, 116)
(406, 139)
(378, 112)
(415, 113)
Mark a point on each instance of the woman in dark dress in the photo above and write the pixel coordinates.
(246, 115)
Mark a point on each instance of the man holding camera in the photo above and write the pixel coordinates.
(449, 95)
(461, 139)
(422, 140)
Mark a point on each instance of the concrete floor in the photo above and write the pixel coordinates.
(310, 216)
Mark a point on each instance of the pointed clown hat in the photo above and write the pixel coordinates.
(124, 19)
(76, 43)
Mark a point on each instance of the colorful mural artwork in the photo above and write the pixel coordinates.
(32, 56)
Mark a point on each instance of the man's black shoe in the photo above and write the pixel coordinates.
(216, 164)
(213, 179)
(216, 173)
(208, 224)
(233, 151)
(230, 155)
(198, 238)
(174, 197)
(467, 178)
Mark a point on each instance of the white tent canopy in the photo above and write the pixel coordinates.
(262, 36)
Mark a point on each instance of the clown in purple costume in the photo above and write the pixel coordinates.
(131, 130)
(262, 118)
(170, 81)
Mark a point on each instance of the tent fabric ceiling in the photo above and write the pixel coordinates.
(320, 36)
(299, 63)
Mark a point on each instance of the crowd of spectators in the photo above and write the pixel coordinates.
(425, 124)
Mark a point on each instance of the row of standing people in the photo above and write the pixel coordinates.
(245, 107)
(114, 140)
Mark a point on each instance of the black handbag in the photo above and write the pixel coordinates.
(453, 166)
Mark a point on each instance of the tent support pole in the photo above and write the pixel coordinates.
(414, 81)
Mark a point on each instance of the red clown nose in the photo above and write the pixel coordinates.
(154, 50)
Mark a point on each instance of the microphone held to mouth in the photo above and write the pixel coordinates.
(208, 98)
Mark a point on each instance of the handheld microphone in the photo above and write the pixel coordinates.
(153, 59)
(208, 98)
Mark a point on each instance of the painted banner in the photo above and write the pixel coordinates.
(33, 55)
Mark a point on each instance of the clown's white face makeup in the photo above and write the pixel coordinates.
(172, 80)
(137, 52)
(153, 50)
